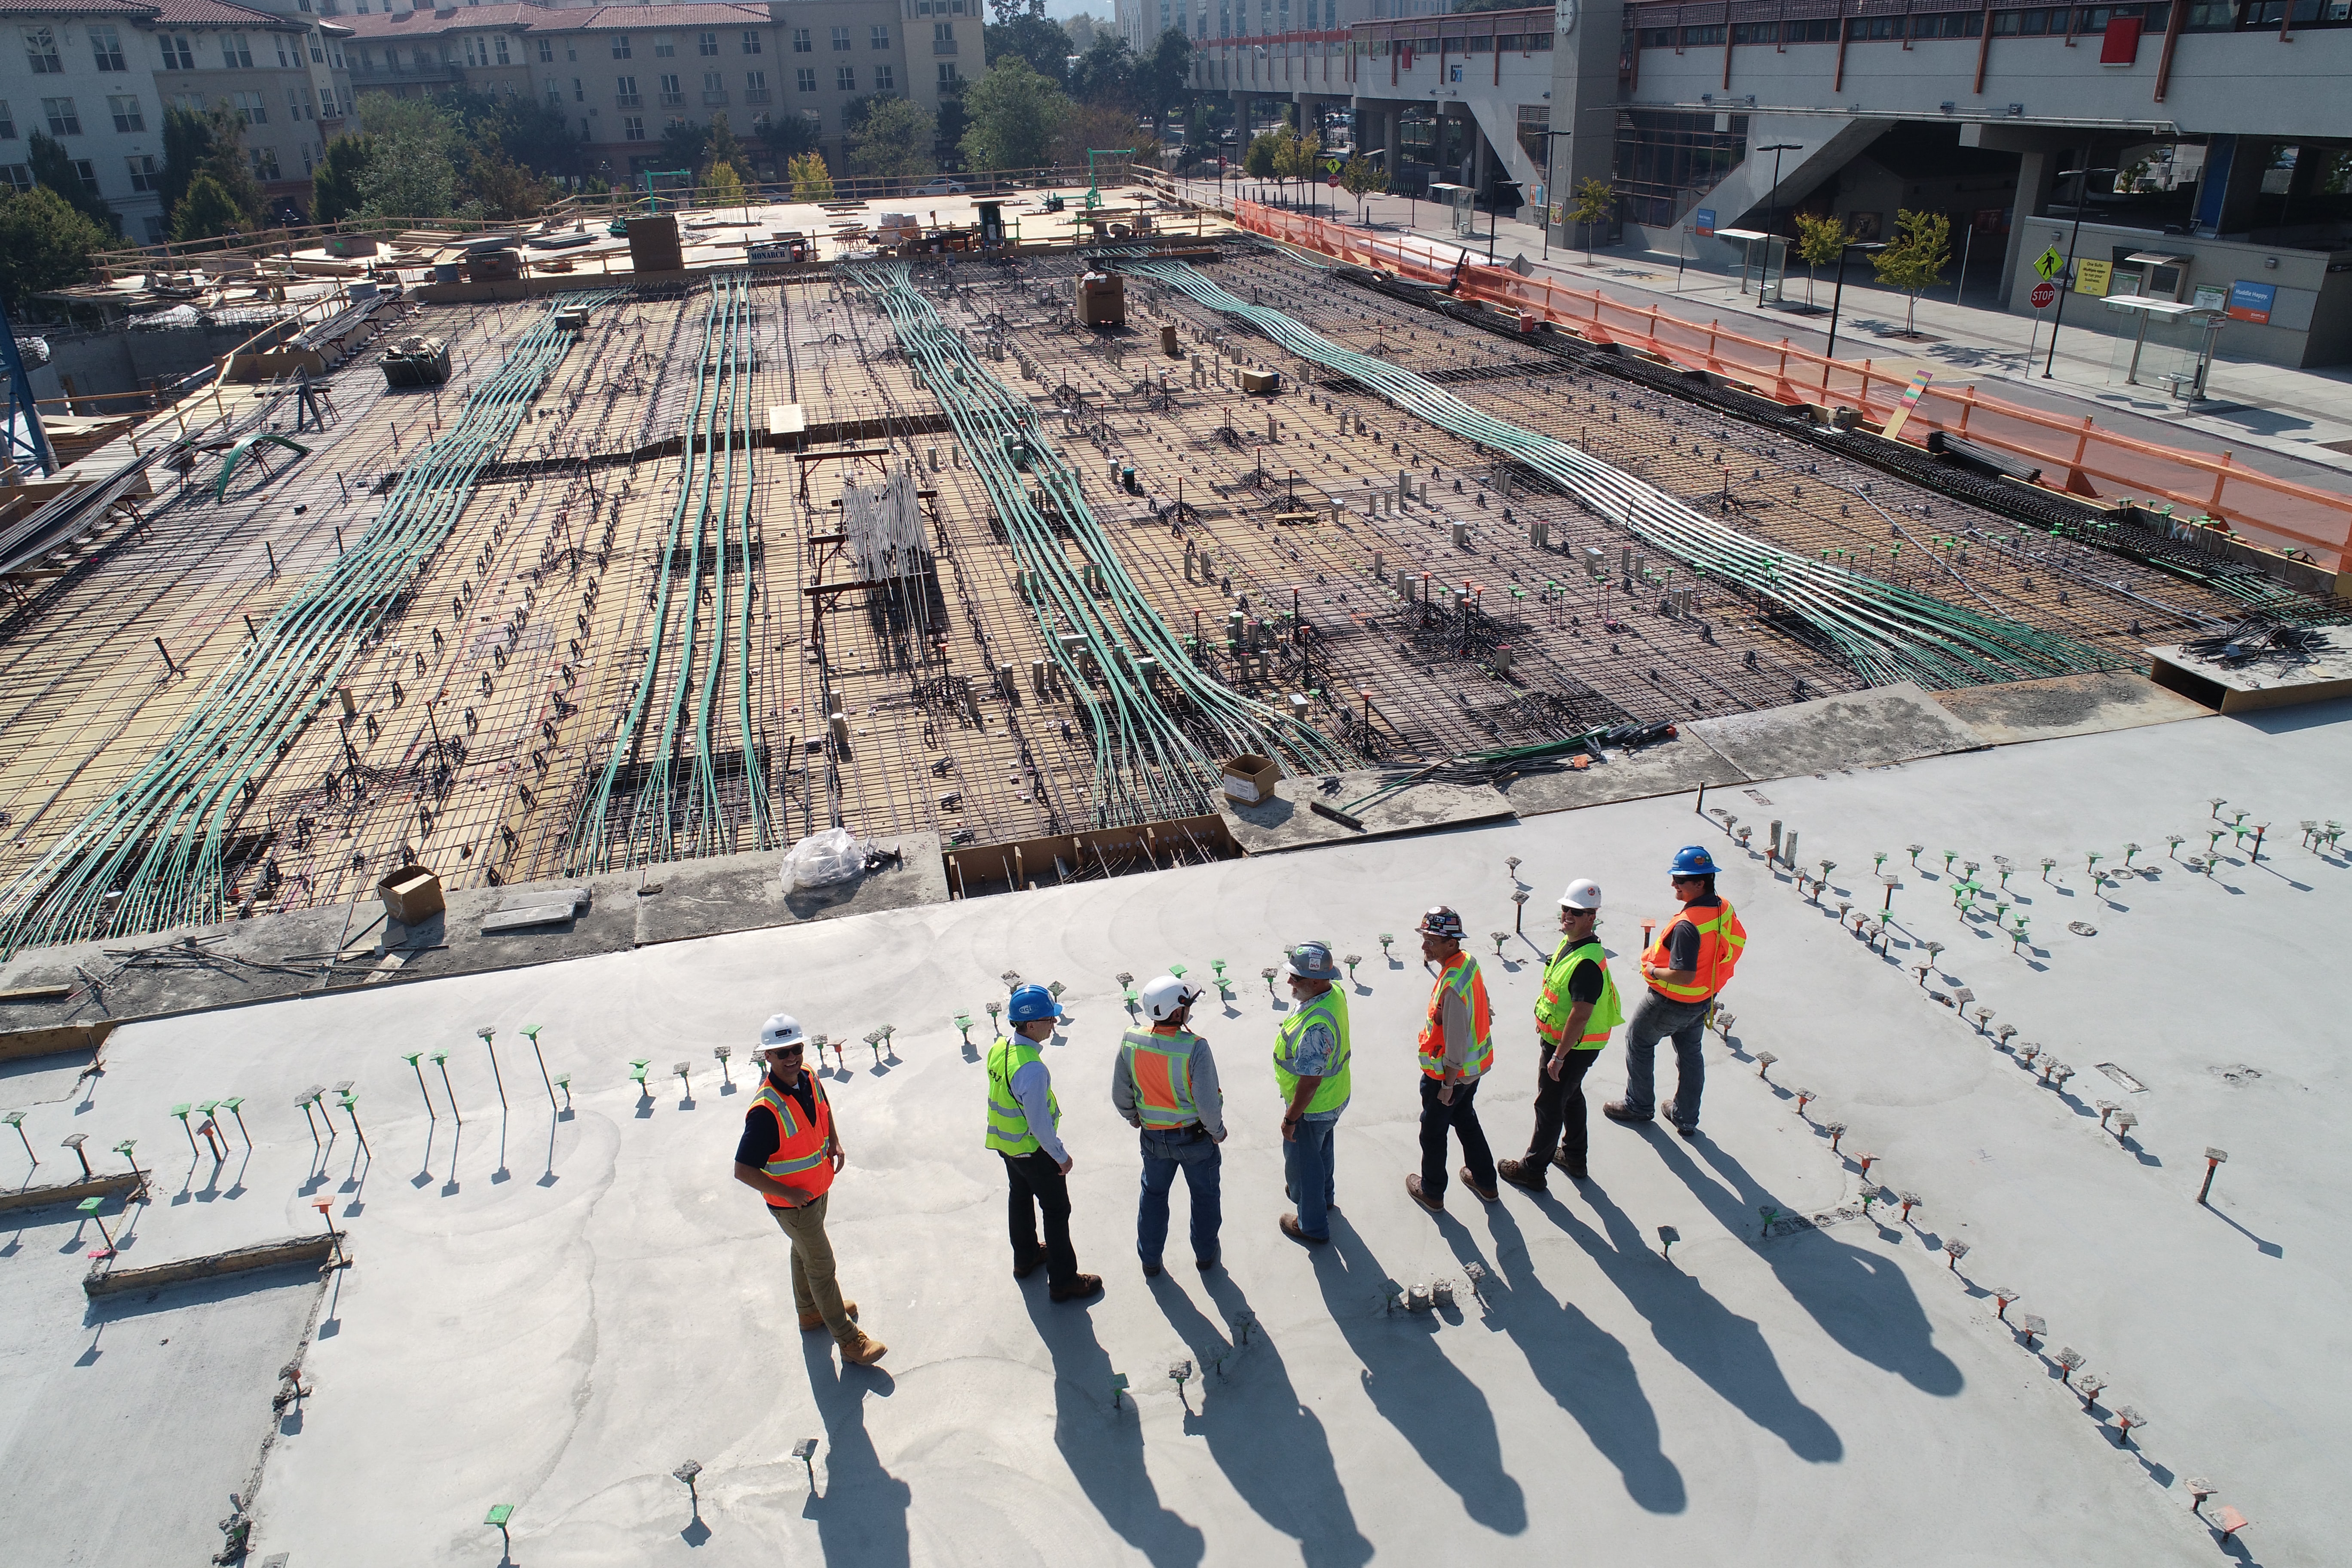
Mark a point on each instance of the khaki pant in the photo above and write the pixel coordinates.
(814, 1289)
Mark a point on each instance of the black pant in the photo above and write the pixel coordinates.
(1559, 1112)
(1038, 1183)
(1461, 1117)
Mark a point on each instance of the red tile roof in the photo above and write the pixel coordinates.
(129, 8)
(524, 18)
(217, 13)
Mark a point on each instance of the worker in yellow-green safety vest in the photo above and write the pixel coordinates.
(1578, 1010)
(1024, 1119)
(1310, 1069)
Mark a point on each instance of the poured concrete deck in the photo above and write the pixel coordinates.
(555, 1312)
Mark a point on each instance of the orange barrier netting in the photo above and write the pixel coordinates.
(2074, 454)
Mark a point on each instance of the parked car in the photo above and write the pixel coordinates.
(942, 186)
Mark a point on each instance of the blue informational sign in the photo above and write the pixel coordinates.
(1704, 220)
(2252, 301)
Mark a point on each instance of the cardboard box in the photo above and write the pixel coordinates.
(1102, 300)
(1261, 380)
(1250, 778)
(411, 895)
(654, 243)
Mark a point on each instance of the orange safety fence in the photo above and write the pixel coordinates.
(2073, 453)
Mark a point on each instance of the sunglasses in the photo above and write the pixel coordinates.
(785, 1051)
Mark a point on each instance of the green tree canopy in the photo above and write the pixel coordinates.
(210, 142)
(1164, 78)
(724, 147)
(335, 183)
(788, 136)
(1820, 241)
(1595, 199)
(723, 186)
(1360, 177)
(1106, 73)
(413, 172)
(894, 139)
(1022, 32)
(502, 188)
(45, 243)
(1914, 261)
(529, 131)
(1014, 112)
(1263, 154)
(206, 211)
(53, 167)
(811, 180)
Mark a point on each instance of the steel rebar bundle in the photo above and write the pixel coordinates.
(1886, 633)
(151, 855)
(1151, 763)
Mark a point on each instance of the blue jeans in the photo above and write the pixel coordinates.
(1683, 1021)
(1309, 1166)
(1201, 1159)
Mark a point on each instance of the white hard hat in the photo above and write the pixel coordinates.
(784, 1029)
(1165, 996)
(1584, 893)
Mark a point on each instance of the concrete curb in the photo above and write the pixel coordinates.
(106, 1186)
(104, 1281)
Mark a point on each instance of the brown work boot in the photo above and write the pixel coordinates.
(1412, 1190)
(1489, 1193)
(1522, 1173)
(812, 1322)
(1290, 1223)
(864, 1351)
(1081, 1288)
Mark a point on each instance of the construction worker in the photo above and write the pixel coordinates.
(1024, 1118)
(1574, 1017)
(1456, 1048)
(790, 1153)
(1165, 1084)
(1310, 1069)
(1691, 961)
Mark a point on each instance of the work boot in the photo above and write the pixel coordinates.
(1412, 1190)
(1575, 1169)
(1081, 1288)
(1289, 1223)
(1522, 1173)
(1489, 1193)
(1151, 1271)
(1618, 1111)
(812, 1322)
(864, 1351)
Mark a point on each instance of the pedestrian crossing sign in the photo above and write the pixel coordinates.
(2048, 264)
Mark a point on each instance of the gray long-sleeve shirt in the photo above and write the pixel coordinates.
(1031, 1085)
(1454, 1015)
(1207, 1098)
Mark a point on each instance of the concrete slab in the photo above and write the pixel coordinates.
(2248, 686)
(740, 892)
(2066, 705)
(1286, 822)
(1860, 729)
(1669, 767)
(455, 942)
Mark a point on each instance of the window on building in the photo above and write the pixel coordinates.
(1949, 25)
(106, 49)
(881, 36)
(178, 55)
(670, 95)
(804, 78)
(947, 73)
(625, 89)
(632, 128)
(145, 175)
(620, 45)
(1709, 35)
(750, 42)
(886, 78)
(477, 52)
(237, 53)
(19, 175)
(546, 51)
(711, 83)
(327, 103)
(284, 60)
(943, 39)
(802, 41)
(706, 43)
(7, 121)
(41, 52)
(128, 116)
(755, 81)
(1663, 154)
(555, 96)
(760, 123)
(249, 105)
(840, 38)
(579, 92)
(265, 163)
(317, 55)
(60, 113)
(498, 50)
(665, 48)
(298, 102)
(1755, 32)
(844, 79)
(1817, 30)
(86, 172)
(154, 225)
(2024, 23)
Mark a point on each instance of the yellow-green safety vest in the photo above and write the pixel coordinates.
(1008, 1122)
(1555, 1005)
(1330, 1009)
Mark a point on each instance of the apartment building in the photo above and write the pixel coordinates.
(622, 74)
(96, 75)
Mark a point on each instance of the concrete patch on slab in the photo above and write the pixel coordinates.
(2250, 685)
(1286, 822)
(453, 941)
(2066, 705)
(1860, 729)
(1669, 767)
(744, 892)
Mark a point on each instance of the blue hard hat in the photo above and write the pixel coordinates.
(1693, 861)
(1032, 1003)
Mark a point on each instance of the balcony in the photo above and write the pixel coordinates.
(717, 97)
(754, 95)
(943, 46)
(627, 99)
(673, 101)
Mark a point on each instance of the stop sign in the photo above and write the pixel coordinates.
(2045, 294)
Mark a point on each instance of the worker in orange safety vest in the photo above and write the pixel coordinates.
(1686, 968)
(1456, 1047)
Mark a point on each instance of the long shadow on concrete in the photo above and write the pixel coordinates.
(1725, 1350)
(1102, 1445)
(1421, 1393)
(1271, 1448)
(861, 1515)
(1580, 1364)
(1860, 1300)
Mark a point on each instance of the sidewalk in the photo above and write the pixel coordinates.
(2270, 418)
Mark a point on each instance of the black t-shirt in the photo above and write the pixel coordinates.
(1584, 983)
(760, 1133)
(1682, 941)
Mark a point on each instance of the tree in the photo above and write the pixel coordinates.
(1104, 74)
(1264, 151)
(811, 180)
(686, 145)
(1298, 157)
(412, 173)
(1595, 199)
(531, 132)
(45, 243)
(724, 147)
(789, 136)
(894, 141)
(335, 183)
(207, 212)
(1361, 178)
(1022, 32)
(1820, 241)
(1915, 262)
(1104, 128)
(947, 141)
(502, 188)
(210, 143)
(723, 186)
(1164, 77)
(53, 168)
(1014, 111)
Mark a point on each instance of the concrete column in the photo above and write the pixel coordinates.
(2037, 173)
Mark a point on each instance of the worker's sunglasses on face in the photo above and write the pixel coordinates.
(784, 1051)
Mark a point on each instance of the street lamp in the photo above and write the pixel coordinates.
(1837, 295)
(1772, 205)
(2082, 185)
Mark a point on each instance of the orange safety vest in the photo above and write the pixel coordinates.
(800, 1161)
(1721, 938)
(1462, 977)
(1161, 1067)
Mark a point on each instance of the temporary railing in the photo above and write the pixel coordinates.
(2075, 453)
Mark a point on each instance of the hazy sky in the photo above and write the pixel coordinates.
(1063, 10)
